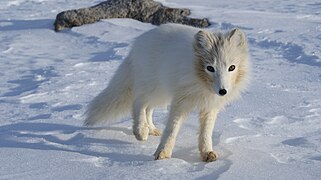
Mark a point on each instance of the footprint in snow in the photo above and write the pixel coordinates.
(313, 108)
(290, 51)
(250, 123)
(243, 123)
(68, 107)
(297, 142)
(31, 81)
(96, 161)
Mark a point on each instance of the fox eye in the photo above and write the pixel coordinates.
(210, 68)
(231, 68)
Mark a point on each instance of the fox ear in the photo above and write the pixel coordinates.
(237, 37)
(203, 40)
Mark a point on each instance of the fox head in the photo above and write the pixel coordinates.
(222, 60)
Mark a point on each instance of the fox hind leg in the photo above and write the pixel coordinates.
(152, 129)
(140, 124)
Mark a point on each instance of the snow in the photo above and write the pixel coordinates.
(48, 78)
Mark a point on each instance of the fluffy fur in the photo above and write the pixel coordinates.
(169, 65)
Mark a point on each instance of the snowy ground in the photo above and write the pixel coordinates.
(48, 78)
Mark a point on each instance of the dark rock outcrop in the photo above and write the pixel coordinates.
(142, 10)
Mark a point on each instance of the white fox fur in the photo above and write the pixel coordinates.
(179, 65)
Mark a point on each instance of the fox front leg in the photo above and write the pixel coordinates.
(207, 121)
(178, 113)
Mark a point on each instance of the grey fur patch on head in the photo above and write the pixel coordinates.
(237, 37)
(211, 46)
(207, 45)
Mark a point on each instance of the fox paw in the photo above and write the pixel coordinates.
(141, 133)
(162, 154)
(209, 156)
(155, 132)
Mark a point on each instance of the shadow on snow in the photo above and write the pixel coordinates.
(41, 136)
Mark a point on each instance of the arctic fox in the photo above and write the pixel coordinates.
(186, 67)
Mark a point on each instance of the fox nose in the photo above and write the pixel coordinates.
(222, 92)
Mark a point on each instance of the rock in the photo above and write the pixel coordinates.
(142, 10)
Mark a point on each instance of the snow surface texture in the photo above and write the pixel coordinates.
(48, 78)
